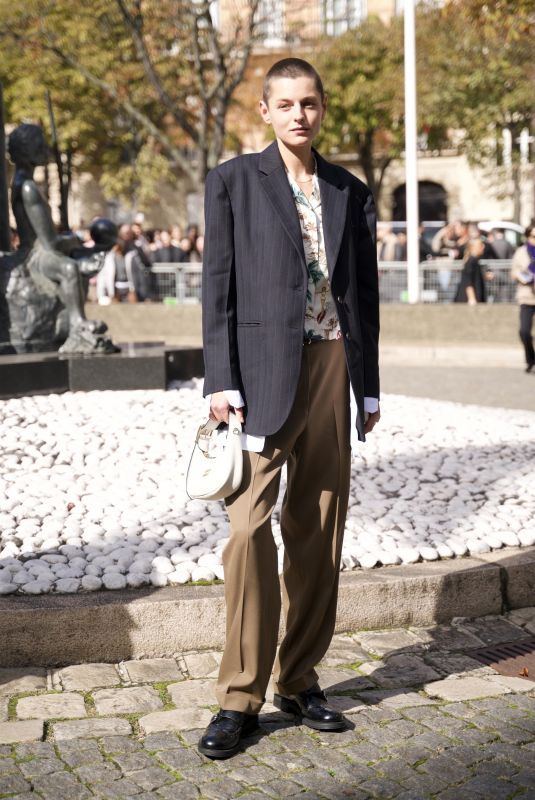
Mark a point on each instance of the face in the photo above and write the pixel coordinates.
(165, 238)
(295, 110)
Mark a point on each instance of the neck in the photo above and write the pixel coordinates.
(298, 161)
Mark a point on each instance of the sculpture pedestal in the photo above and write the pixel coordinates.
(139, 365)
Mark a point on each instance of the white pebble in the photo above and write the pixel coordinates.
(158, 578)
(91, 583)
(67, 585)
(114, 580)
(202, 574)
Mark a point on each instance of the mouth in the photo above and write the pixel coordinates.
(300, 130)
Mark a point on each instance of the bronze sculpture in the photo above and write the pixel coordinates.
(45, 287)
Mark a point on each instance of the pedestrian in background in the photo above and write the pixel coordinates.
(472, 288)
(523, 272)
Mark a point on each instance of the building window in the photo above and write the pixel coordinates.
(270, 25)
(341, 15)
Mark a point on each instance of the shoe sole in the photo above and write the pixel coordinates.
(291, 707)
(220, 754)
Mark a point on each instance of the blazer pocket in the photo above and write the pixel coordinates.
(249, 324)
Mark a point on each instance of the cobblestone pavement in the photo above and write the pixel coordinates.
(425, 720)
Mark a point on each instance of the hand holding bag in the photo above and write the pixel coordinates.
(216, 464)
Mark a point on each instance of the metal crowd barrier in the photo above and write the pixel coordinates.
(177, 283)
(439, 278)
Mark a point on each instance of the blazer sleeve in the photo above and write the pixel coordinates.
(219, 290)
(368, 296)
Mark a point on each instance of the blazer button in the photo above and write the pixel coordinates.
(339, 299)
(348, 336)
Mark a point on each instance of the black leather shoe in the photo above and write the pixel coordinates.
(312, 709)
(224, 733)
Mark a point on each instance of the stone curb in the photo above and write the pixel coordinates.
(53, 630)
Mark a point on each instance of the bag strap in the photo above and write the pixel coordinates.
(206, 430)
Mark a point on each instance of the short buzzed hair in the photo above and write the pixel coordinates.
(291, 68)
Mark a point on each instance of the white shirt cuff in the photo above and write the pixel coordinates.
(234, 398)
(371, 404)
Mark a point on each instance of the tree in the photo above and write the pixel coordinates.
(142, 87)
(483, 69)
(363, 76)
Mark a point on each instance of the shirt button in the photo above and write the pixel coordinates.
(348, 337)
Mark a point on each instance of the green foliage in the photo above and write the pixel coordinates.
(140, 88)
(363, 75)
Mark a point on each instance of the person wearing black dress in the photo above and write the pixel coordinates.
(472, 288)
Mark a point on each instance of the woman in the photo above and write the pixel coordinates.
(472, 289)
(289, 243)
(116, 280)
(523, 272)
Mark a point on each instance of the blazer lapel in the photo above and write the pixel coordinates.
(275, 183)
(334, 201)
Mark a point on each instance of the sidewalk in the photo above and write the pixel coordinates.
(426, 720)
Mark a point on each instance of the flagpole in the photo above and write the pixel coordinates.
(411, 158)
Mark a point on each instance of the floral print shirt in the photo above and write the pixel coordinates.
(321, 319)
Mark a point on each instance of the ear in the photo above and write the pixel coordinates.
(264, 112)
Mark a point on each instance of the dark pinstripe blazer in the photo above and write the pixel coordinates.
(255, 282)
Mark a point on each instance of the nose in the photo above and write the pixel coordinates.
(298, 111)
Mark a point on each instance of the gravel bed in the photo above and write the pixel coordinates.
(92, 489)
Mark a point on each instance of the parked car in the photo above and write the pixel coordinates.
(513, 232)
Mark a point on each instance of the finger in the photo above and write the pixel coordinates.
(239, 414)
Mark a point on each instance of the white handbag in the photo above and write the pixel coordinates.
(216, 463)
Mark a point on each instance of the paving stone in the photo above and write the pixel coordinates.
(399, 671)
(481, 788)
(51, 706)
(382, 788)
(192, 693)
(62, 785)
(131, 762)
(333, 680)
(382, 642)
(14, 680)
(40, 766)
(25, 796)
(493, 630)
(396, 698)
(120, 744)
(525, 777)
(9, 784)
(121, 789)
(152, 670)
(201, 775)
(183, 790)
(251, 776)
(152, 778)
(468, 754)
(162, 741)
(223, 789)
(456, 664)
(179, 720)
(9, 766)
(4, 702)
(98, 773)
(513, 684)
(446, 638)
(464, 688)
(127, 701)
(84, 677)
(180, 759)
(286, 762)
(91, 727)
(35, 750)
(280, 788)
(317, 780)
(21, 731)
(203, 665)
(449, 770)
(76, 752)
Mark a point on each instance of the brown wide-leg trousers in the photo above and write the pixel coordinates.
(315, 444)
